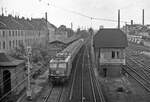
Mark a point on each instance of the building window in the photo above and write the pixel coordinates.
(10, 44)
(0, 45)
(3, 33)
(16, 33)
(117, 54)
(9, 33)
(4, 45)
(13, 43)
(12, 33)
(113, 54)
(16, 43)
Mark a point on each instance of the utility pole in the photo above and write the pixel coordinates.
(29, 91)
(118, 19)
(143, 16)
(47, 30)
(91, 21)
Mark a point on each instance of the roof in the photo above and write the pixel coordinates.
(110, 38)
(6, 60)
(16, 23)
(9, 23)
(66, 40)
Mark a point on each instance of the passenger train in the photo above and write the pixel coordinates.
(60, 67)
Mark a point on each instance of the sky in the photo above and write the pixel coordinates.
(60, 11)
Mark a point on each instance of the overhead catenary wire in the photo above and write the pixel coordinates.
(83, 15)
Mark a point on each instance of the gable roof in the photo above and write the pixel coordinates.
(16, 23)
(110, 38)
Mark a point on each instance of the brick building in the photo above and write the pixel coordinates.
(109, 47)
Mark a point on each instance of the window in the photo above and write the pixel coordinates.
(4, 45)
(117, 54)
(16, 32)
(0, 45)
(10, 44)
(9, 33)
(3, 33)
(53, 65)
(12, 33)
(13, 43)
(16, 43)
(113, 54)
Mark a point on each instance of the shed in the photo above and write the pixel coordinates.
(11, 74)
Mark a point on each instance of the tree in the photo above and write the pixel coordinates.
(19, 52)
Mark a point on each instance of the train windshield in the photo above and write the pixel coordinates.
(62, 65)
(53, 65)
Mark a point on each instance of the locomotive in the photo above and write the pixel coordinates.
(60, 66)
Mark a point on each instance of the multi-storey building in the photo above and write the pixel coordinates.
(14, 31)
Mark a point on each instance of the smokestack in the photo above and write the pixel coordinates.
(71, 25)
(118, 19)
(2, 12)
(143, 16)
(131, 22)
(46, 16)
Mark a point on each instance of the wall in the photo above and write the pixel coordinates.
(106, 56)
(112, 65)
(17, 76)
(12, 38)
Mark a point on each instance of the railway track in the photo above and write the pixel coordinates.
(97, 92)
(138, 77)
(54, 94)
(137, 69)
(85, 87)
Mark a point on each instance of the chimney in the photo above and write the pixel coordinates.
(143, 16)
(131, 22)
(118, 19)
(2, 12)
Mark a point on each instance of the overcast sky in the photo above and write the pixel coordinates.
(107, 9)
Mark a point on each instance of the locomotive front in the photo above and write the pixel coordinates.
(58, 69)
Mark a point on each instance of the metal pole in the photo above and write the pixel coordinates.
(118, 19)
(29, 91)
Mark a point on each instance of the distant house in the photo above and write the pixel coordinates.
(109, 47)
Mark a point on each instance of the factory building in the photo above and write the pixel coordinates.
(109, 47)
